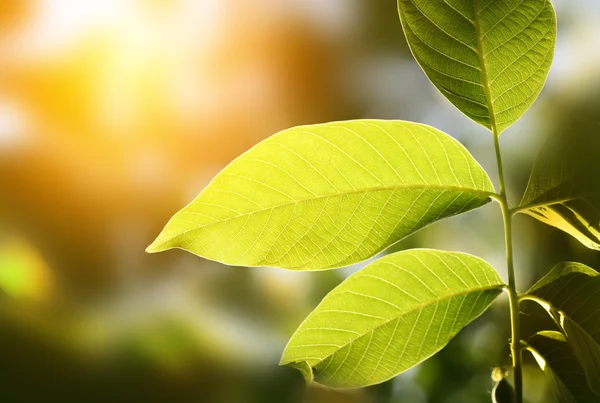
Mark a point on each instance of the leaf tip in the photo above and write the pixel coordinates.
(157, 246)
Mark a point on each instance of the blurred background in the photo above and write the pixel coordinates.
(114, 114)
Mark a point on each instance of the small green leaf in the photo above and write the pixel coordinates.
(490, 58)
(328, 195)
(570, 293)
(564, 187)
(391, 315)
(556, 359)
(503, 392)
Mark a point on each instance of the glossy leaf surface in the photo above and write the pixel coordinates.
(328, 195)
(391, 315)
(571, 292)
(490, 58)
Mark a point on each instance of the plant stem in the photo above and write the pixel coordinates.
(515, 342)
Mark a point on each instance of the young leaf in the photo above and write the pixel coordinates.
(503, 392)
(570, 293)
(564, 187)
(556, 359)
(391, 315)
(328, 195)
(490, 58)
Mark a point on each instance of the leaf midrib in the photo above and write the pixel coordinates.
(483, 193)
(483, 66)
(404, 313)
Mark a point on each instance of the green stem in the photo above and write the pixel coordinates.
(515, 342)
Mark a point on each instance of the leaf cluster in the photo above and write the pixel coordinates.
(330, 195)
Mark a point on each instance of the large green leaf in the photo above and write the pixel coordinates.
(391, 315)
(490, 58)
(556, 359)
(328, 195)
(564, 187)
(570, 292)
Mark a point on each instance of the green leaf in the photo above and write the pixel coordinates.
(328, 195)
(554, 356)
(564, 187)
(490, 58)
(503, 392)
(570, 293)
(391, 315)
